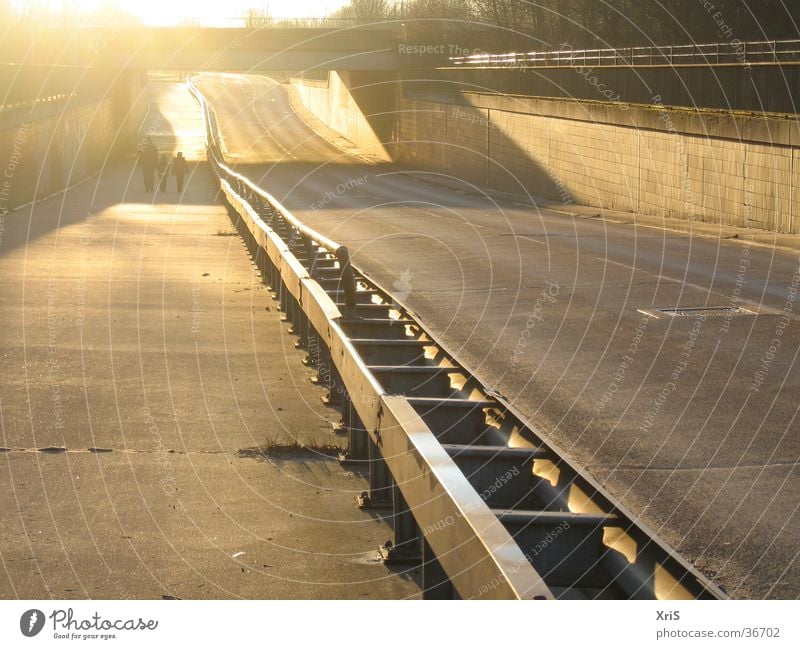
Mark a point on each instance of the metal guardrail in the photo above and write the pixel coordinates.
(478, 499)
(31, 103)
(386, 431)
(734, 52)
(27, 85)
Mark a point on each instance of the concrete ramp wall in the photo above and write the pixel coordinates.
(48, 147)
(740, 170)
(360, 106)
(711, 166)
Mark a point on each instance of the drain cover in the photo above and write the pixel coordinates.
(698, 311)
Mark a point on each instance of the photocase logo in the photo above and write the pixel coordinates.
(402, 287)
(31, 622)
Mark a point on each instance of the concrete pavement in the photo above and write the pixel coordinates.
(141, 354)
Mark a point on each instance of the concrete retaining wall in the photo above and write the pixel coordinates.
(734, 169)
(54, 146)
(715, 167)
(357, 105)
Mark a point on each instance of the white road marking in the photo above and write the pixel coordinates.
(541, 243)
(616, 263)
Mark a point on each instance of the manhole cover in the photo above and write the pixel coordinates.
(699, 311)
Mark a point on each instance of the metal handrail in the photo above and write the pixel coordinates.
(324, 242)
(743, 52)
(190, 22)
(14, 105)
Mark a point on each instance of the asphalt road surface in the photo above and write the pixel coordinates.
(691, 421)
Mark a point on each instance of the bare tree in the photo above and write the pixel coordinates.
(622, 23)
(255, 18)
(366, 10)
(440, 21)
(524, 25)
(447, 9)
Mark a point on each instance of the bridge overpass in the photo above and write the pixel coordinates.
(206, 48)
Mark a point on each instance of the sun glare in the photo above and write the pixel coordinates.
(183, 12)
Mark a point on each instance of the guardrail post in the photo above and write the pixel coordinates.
(312, 250)
(435, 583)
(406, 545)
(347, 280)
(357, 436)
(269, 216)
(262, 263)
(321, 361)
(272, 275)
(335, 388)
(297, 245)
(319, 357)
(303, 329)
(291, 308)
(379, 495)
(296, 319)
(283, 296)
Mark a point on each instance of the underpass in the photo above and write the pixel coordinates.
(685, 416)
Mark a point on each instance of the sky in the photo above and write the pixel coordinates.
(216, 12)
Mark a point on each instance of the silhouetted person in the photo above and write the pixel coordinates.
(179, 170)
(148, 159)
(163, 172)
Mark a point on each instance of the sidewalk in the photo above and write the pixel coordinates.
(141, 354)
(734, 234)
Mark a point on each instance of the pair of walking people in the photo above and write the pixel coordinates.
(156, 168)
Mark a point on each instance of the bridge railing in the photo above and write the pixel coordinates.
(240, 22)
(25, 86)
(734, 52)
(319, 23)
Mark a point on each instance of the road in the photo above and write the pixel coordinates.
(690, 421)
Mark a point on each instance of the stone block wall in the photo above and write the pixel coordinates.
(712, 166)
